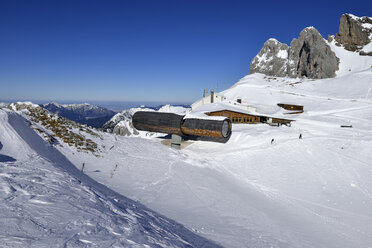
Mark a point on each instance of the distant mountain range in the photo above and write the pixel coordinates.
(85, 113)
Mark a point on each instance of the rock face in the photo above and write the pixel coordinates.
(354, 32)
(271, 60)
(311, 56)
(308, 56)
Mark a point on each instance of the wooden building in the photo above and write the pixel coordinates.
(279, 121)
(240, 117)
(292, 107)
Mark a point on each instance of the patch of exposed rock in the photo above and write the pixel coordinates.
(271, 60)
(354, 32)
(308, 56)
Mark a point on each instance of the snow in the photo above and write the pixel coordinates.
(263, 59)
(283, 54)
(354, 17)
(203, 116)
(357, 18)
(367, 25)
(367, 48)
(79, 105)
(47, 202)
(218, 106)
(309, 192)
(310, 28)
(174, 109)
(273, 39)
(30, 104)
(350, 61)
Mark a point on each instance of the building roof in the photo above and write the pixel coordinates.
(201, 111)
(218, 106)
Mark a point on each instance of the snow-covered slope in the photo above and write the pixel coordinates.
(309, 192)
(350, 61)
(46, 202)
(352, 90)
(313, 192)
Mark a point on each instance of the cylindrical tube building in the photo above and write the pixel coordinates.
(158, 122)
(207, 127)
(210, 129)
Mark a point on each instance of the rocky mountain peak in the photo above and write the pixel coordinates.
(272, 59)
(354, 32)
(310, 55)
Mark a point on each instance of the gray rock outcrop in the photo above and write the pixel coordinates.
(308, 56)
(311, 56)
(271, 60)
(354, 32)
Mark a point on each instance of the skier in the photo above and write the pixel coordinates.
(272, 141)
(300, 137)
(82, 168)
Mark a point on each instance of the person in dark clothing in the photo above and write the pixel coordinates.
(272, 141)
(300, 137)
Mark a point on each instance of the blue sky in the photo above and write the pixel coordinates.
(145, 50)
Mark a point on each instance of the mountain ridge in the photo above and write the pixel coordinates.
(85, 113)
(311, 55)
